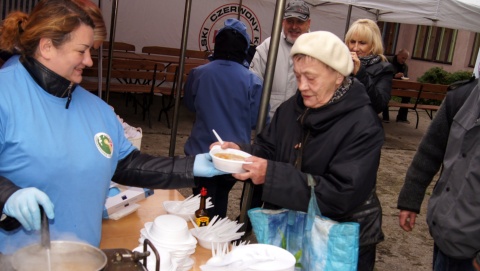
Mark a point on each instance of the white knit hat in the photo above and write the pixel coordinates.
(326, 47)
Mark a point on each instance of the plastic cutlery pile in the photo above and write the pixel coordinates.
(190, 205)
(219, 230)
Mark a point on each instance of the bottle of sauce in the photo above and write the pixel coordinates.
(201, 215)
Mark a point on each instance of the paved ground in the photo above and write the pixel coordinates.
(399, 251)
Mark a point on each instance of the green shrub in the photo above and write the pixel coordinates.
(458, 76)
(437, 75)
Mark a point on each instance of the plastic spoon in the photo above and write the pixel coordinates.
(217, 136)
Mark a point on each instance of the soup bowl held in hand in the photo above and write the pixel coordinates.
(229, 160)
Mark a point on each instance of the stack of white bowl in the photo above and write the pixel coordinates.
(171, 232)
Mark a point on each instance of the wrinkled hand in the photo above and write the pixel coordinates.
(256, 171)
(406, 220)
(203, 166)
(23, 205)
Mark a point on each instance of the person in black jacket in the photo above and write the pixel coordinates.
(400, 72)
(449, 147)
(329, 130)
(364, 40)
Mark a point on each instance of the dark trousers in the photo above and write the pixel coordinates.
(442, 262)
(366, 257)
(218, 188)
(256, 202)
(402, 112)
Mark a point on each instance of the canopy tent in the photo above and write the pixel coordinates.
(456, 14)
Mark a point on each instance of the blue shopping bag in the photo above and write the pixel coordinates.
(317, 242)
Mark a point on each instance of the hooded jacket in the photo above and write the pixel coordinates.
(339, 144)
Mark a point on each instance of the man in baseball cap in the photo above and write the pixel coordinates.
(297, 9)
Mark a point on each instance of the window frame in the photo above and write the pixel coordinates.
(475, 49)
(434, 44)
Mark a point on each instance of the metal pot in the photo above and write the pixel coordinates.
(64, 255)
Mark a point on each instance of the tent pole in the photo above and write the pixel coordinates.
(247, 193)
(349, 14)
(186, 22)
(113, 25)
(239, 9)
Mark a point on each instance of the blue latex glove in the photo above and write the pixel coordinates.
(203, 166)
(23, 205)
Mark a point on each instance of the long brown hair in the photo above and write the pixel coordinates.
(53, 19)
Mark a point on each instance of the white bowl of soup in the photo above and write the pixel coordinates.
(229, 160)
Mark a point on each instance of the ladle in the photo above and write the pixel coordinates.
(45, 231)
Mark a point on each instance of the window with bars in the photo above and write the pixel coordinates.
(6, 6)
(475, 48)
(434, 44)
(389, 36)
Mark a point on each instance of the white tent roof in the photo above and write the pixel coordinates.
(456, 14)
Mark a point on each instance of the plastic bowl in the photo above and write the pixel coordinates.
(206, 243)
(228, 165)
(168, 228)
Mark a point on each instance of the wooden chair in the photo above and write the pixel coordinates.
(410, 89)
(168, 87)
(169, 51)
(132, 77)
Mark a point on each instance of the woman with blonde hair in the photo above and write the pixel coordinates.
(370, 65)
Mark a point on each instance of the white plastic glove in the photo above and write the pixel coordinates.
(203, 166)
(23, 205)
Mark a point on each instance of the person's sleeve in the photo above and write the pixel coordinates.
(7, 188)
(143, 170)
(405, 73)
(379, 88)
(256, 98)
(259, 61)
(426, 163)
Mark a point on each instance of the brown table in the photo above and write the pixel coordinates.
(125, 232)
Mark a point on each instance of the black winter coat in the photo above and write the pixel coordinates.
(377, 79)
(340, 147)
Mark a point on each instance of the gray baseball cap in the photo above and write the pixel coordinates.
(297, 9)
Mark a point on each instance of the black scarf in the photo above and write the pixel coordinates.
(370, 60)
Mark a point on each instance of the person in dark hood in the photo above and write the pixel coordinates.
(329, 130)
(225, 95)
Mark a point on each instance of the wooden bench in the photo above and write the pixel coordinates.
(431, 97)
(423, 96)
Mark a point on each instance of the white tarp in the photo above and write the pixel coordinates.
(456, 14)
(153, 22)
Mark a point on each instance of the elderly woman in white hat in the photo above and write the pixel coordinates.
(329, 130)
